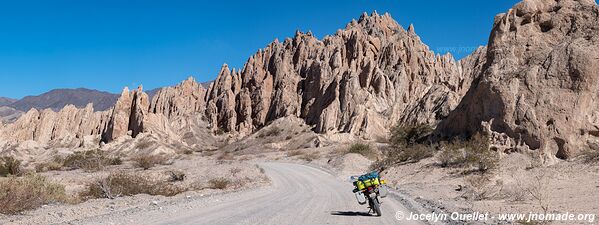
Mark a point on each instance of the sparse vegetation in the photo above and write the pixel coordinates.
(149, 161)
(124, 184)
(18, 194)
(219, 183)
(274, 131)
(48, 166)
(363, 149)
(175, 176)
(408, 135)
(472, 154)
(10, 166)
(310, 156)
(591, 155)
(90, 161)
(144, 144)
(225, 156)
(294, 153)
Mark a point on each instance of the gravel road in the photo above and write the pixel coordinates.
(299, 195)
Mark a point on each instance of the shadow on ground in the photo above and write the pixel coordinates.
(349, 213)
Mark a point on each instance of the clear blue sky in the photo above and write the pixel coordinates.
(106, 44)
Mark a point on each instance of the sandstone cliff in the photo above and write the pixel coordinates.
(539, 88)
(361, 80)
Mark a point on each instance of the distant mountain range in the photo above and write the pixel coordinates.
(58, 98)
(6, 101)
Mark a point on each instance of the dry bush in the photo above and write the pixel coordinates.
(591, 155)
(539, 191)
(294, 153)
(144, 144)
(18, 194)
(124, 184)
(90, 160)
(149, 161)
(235, 170)
(10, 166)
(363, 149)
(473, 154)
(219, 183)
(48, 166)
(188, 152)
(225, 156)
(175, 176)
(310, 156)
(274, 131)
(477, 187)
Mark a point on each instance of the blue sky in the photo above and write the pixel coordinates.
(106, 45)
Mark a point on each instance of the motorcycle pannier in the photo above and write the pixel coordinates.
(360, 185)
(360, 197)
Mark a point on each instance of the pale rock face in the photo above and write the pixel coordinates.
(540, 85)
(361, 80)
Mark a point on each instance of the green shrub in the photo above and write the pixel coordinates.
(407, 135)
(363, 149)
(10, 166)
(18, 194)
(125, 184)
(408, 154)
(471, 154)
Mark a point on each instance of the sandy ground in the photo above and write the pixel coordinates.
(518, 187)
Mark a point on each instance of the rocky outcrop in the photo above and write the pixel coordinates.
(540, 84)
(361, 80)
(66, 127)
(184, 99)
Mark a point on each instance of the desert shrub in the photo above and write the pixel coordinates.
(219, 183)
(591, 155)
(294, 153)
(363, 149)
(18, 194)
(149, 161)
(90, 160)
(274, 131)
(225, 156)
(188, 152)
(10, 166)
(175, 176)
(471, 154)
(125, 184)
(235, 170)
(144, 144)
(310, 156)
(48, 166)
(408, 154)
(407, 135)
(477, 187)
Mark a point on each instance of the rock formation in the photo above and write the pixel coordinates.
(533, 87)
(539, 87)
(361, 80)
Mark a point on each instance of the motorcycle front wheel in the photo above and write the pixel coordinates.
(376, 206)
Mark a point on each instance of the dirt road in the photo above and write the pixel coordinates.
(299, 195)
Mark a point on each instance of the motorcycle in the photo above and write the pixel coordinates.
(370, 188)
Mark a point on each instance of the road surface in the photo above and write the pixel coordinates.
(299, 195)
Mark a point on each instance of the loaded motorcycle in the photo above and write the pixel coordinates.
(370, 188)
